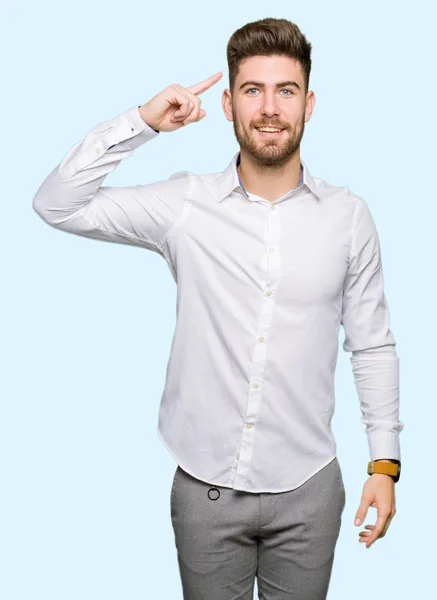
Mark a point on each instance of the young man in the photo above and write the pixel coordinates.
(269, 261)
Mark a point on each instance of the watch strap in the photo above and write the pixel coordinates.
(385, 468)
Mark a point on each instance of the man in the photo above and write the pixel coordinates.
(269, 261)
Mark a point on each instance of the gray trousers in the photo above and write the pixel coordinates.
(286, 540)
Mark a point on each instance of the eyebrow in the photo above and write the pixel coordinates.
(259, 84)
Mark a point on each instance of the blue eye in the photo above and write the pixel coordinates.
(284, 90)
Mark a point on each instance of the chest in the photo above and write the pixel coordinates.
(245, 246)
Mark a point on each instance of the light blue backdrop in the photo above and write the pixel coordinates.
(86, 326)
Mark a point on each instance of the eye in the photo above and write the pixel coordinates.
(284, 90)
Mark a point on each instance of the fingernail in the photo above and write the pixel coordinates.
(357, 521)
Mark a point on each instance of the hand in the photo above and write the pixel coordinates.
(176, 106)
(378, 492)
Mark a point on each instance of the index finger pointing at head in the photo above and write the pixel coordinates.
(200, 87)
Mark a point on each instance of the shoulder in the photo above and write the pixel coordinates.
(337, 193)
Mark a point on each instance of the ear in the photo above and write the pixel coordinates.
(309, 105)
(227, 104)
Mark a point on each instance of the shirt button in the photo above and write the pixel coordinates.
(255, 385)
(273, 207)
(97, 150)
(261, 339)
(271, 249)
(269, 293)
(249, 425)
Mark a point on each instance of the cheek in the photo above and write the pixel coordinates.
(296, 115)
(249, 113)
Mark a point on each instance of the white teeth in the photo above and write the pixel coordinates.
(268, 129)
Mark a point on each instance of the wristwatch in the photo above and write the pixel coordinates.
(392, 468)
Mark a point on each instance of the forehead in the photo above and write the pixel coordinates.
(269, 69)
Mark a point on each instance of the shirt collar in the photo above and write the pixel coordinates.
(229, 179)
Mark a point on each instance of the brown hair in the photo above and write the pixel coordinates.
(265, 37)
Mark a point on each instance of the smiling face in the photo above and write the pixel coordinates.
(269, 90)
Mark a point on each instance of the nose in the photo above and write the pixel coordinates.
(270, 104)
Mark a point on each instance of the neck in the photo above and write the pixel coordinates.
(269, 181)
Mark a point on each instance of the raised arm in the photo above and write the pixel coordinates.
(72, 197)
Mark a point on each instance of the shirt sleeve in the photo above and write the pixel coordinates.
(72, 197)
(366, 323)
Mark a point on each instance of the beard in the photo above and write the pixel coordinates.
(270, 151)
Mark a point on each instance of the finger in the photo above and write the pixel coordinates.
(376, 533)
(180, 96)
(202, 86)
(193, 115)
(186, 105)
(380, 524)
(365, 533)
(387, 525)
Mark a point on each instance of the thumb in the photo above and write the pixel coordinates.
(361, 512)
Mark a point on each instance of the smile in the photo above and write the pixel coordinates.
(269, 133)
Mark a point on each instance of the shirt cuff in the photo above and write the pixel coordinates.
(384, 444)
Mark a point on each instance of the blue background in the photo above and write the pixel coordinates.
(87, 325)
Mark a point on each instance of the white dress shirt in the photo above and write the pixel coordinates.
(262, 289)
